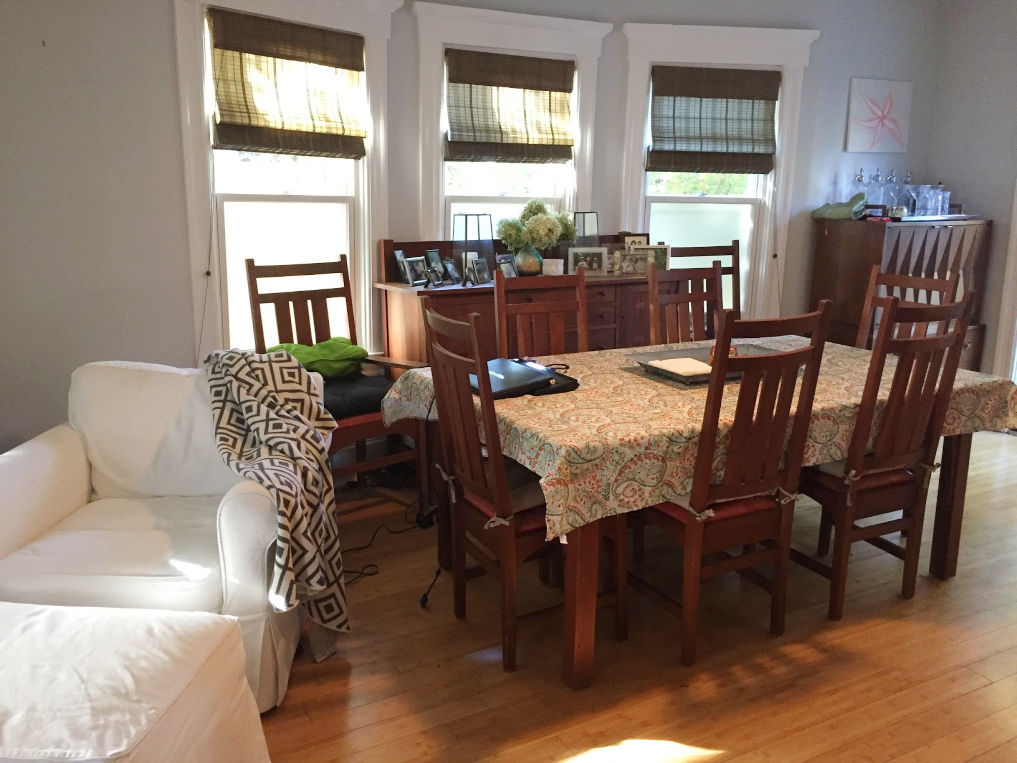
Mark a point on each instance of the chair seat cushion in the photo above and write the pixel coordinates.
(680, 508)
(123, 552)
(355, 396)
(831, 477)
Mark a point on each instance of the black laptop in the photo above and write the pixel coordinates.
(515, 377)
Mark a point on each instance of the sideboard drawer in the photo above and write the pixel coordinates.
(596, 293)
(600, 315)
(601, 338)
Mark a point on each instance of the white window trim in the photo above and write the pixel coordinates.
(370, 18)
(1004, 362)
(786, 50)
(440, 25)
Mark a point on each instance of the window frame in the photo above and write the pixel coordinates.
(473, 28)
(373, 22)
(785, 50)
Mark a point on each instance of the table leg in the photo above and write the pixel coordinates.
(953, 481)
(580, 605)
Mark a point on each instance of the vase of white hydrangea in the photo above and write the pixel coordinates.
(535, 229)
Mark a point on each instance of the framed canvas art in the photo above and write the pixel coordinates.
(879, 115)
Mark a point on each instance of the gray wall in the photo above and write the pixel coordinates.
(92, 221)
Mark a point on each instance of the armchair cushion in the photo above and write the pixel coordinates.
(355, 396)
(148, 430)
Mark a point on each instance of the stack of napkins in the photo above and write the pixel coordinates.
(682, 366)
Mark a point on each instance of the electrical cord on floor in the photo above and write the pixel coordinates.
(423, 599)
(367, 571)
(378, 529)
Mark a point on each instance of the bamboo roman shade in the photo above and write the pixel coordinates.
(712, 120)
(504, 108)
(287, 88)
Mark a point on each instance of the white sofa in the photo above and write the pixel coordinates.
(130, 505)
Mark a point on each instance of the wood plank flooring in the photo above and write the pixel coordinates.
(930, 679)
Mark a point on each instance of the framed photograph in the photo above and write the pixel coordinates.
(637, 240)
(416, 271)
(434, 260)
(593, 259)
(435, 277)
(400, 259)
(633, 262)
(479, 272)
(452, 270)
(506, 264)
(657, 253)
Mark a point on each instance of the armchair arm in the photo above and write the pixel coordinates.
(42, 481)
(246, 525)
(387, 362)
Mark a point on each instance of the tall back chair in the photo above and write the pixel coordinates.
(893, 447)
(683, 303)
(543, 315)
(302, 317)
(910, 291)
(730, 267)
(497, 505)
(751, 500)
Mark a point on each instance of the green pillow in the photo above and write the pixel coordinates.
(332, 358)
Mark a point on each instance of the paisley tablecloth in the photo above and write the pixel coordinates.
(625, 439)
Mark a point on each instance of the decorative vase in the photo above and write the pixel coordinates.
(528, 261)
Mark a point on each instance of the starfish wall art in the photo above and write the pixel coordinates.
(879, 114)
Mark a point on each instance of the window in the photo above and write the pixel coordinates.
(501, 126)
(290, 122)
(712, 161)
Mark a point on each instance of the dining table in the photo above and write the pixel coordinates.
(626, 439)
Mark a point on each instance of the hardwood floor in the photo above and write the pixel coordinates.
(930, 679)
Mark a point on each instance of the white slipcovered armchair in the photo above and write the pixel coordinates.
(130, 505)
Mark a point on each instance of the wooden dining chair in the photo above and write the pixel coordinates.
(684, 303)
(749, 503)
(892, 452)
(498, 506)
(730, 267)
(540, 315)
(909, 290)
(302, 317)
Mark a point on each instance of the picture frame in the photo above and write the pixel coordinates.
(416, 270)
(452, 270)
(435, 277)
(507, 264)
(638, 239)
(633, 262)
(658, 253)
(479, 272)
(593, 259)
(400, 259)
(434, 260)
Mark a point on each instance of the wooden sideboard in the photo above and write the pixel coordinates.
(845, 251)
(617, 311)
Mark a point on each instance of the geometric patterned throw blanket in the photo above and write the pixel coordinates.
(270, 427)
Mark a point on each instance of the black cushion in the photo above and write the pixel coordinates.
(355, 395)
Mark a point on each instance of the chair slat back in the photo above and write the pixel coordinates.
(905, 430)
(730, 267)
(544, 315)
(766, 437)
(683, 303)
(910, 291)
(481, 480)
(301, 316)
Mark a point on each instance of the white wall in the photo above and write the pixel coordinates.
(92, 227)
(974, 148)
(92, 222)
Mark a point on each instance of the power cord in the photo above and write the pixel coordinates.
(367, 571)
(423, 599)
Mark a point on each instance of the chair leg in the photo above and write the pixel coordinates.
(620, 577)
(825, 526)
(509, 568)
(839, 563)
(360, 453)
(458, 562)
(912, 545)
(778, 586)
(692, 565)
(423, 469)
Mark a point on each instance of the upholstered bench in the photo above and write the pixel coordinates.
(91, 683)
